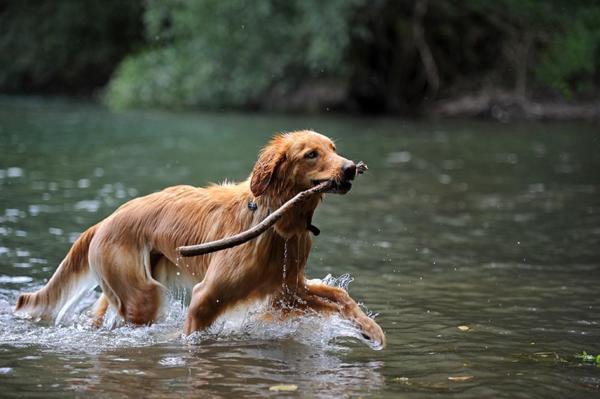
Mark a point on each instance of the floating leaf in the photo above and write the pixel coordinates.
(464, 328)
(460, 378)
(548, 354)
(283, 388)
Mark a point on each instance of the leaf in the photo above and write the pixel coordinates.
(585, 357)
(283, 388)
(547, 354)
(460, 378)
(464, 328)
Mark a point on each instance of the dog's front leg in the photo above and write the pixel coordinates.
(327, 299)
(221, 289)
(204, 308)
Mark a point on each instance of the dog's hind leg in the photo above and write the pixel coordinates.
(99, 310)
(127, 283)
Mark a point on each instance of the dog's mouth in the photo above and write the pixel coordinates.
(337, 187)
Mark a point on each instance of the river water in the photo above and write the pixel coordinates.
(476, 244)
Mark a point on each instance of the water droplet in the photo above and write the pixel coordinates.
(285, 255)
(55, 231)
(14, 172)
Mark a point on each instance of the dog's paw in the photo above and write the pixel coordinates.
(372, 333)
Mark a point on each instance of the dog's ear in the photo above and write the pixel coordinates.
(265, 168)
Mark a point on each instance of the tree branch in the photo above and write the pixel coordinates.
(431, 70)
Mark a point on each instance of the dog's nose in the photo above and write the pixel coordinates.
(349, 170)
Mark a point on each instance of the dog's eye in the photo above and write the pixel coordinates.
(311, 155)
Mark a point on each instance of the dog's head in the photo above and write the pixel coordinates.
(293, 162)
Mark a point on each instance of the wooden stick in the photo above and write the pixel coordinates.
(265, 224)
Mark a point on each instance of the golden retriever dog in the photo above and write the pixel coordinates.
(132, 253)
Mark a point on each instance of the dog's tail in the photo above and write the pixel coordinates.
(72, 279)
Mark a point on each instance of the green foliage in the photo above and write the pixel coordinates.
(213, 53)
(253, 54)
(587, 358)
(565, 34)
(572, 56)
(64, 45)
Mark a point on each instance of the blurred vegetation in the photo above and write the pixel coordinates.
(65, 46)
(214, 53)
(365, 55)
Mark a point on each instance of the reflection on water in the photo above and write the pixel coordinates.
(495, 227)
(215, 370)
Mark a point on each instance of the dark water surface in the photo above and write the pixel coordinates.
(495, 227)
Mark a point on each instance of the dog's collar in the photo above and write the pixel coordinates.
(311, 227)
(252, 205)
(314, 229)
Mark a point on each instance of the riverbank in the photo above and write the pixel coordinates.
(504, 106)
(498, 106)
(495, 104)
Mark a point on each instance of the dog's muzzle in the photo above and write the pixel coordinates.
(341, 184)
(335, 186)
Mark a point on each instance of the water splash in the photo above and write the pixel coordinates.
(342, 281)
(254, 321)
